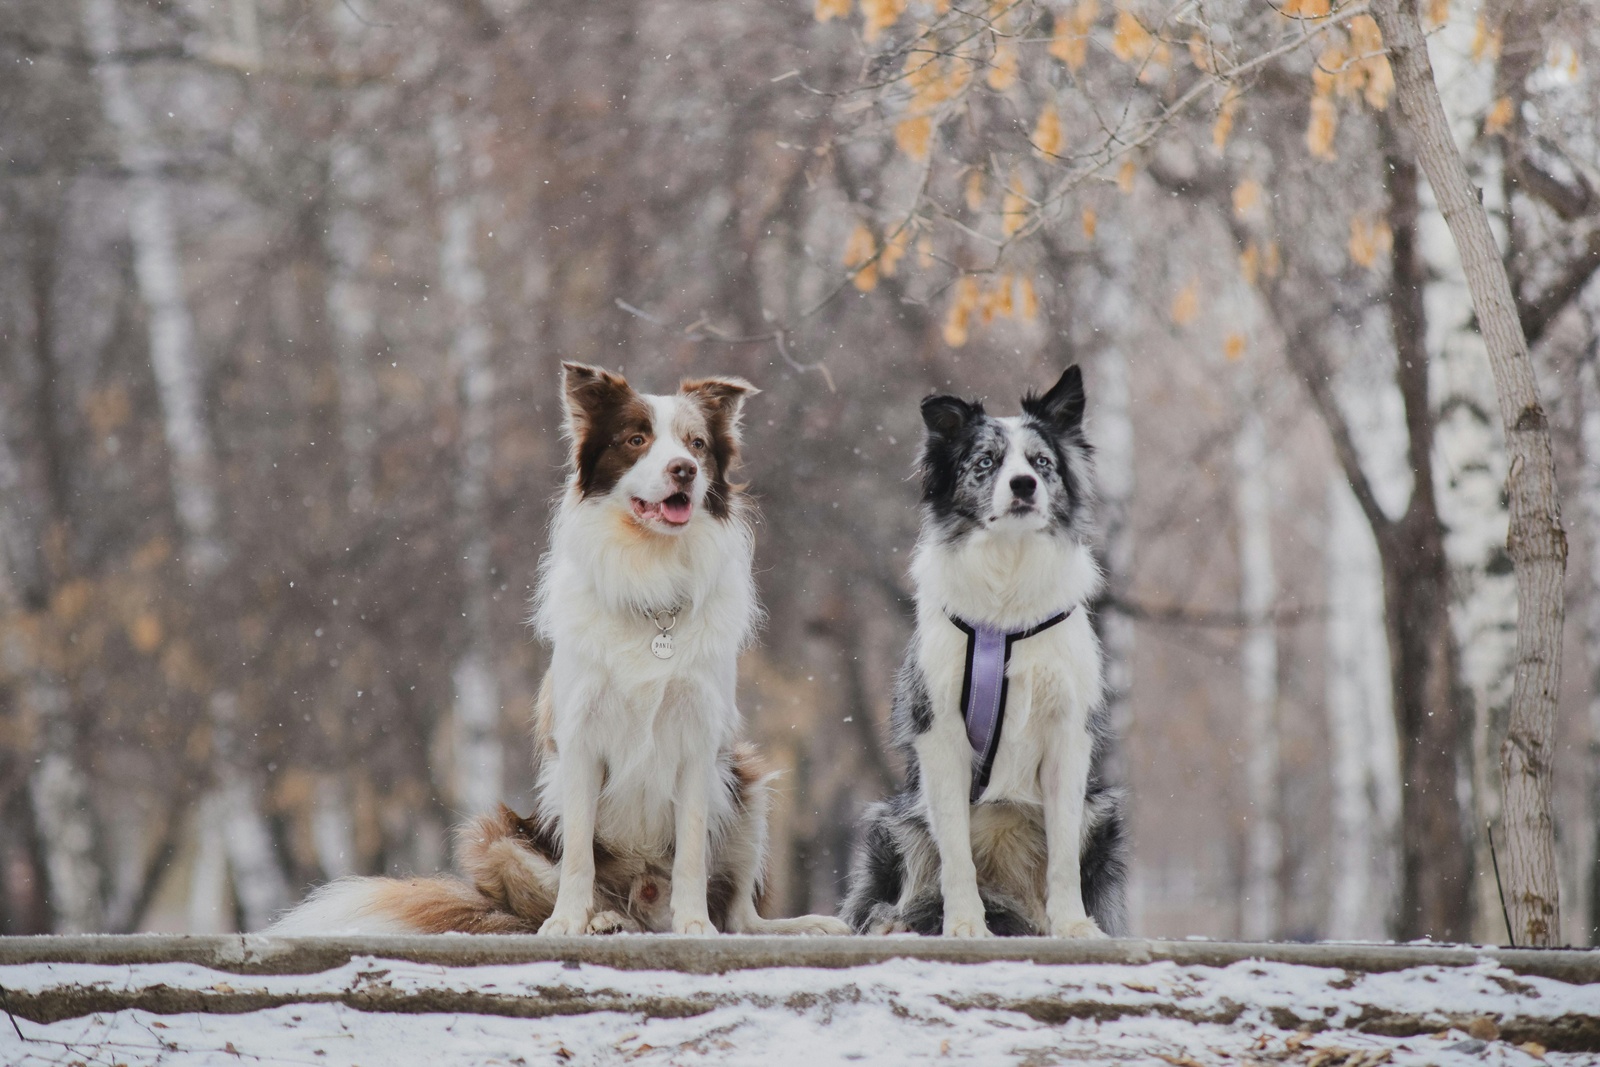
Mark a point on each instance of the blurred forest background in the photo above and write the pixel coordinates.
(284, 288)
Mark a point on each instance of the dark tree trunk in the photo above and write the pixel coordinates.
(1436, 857)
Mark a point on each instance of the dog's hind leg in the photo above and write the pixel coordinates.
(512, 863)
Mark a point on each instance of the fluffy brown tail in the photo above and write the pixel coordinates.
(359, 906)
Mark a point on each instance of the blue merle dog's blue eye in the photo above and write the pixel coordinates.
(984, 463)
(1042, 462)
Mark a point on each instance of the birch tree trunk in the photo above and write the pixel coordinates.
(156, 267)
(352, 301)
(477, 751)
(1471, 464)
(1589, 502)
(258, 878)
(58, 789)
(1259, 660)
(1366, 754)
(1536, 542)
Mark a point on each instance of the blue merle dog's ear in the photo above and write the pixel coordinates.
(946, 416)
(1061, 409)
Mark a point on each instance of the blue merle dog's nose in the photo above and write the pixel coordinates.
(1022, 486)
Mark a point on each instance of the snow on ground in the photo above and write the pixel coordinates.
(895, 1012)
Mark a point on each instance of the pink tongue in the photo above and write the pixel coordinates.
(676, 511)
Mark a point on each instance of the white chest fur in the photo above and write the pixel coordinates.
(1053, 678)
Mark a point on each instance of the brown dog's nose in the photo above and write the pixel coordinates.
(682, 471)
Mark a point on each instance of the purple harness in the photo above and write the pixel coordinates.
(983, 690)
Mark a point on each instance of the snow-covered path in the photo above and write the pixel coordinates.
(374, 1012)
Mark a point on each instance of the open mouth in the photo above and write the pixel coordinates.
(675, 510)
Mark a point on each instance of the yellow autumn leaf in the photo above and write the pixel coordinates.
(1499, 118)
(1027, 299)
(1330, 72)
(859, 251)
(879, 15)
(1246, 197)
(1048, 139)
(1365, 37)
(959, 318)
(1485, 42)
(1324, 124)
(1071, 48)
(1307, 9)
(974, 190)
(71, 600)
(1370, 240)
(1380, 83)
(914, 136)
(1125, 175)
(1223, 127)
(145, 633)
(1014, 208)
(1437, 15)
(1091, 222)
(1003, 67)
(894, 250)
(1250, 263)
(1130, 41)
(1233, 347)
(832, 9)
(1200, 53)
(995, 300)
(1186, 305)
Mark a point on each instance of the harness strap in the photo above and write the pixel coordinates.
(983, 689)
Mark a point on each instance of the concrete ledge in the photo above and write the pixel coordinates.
(261, 954)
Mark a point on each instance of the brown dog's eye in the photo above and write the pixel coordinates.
(698, 444)
(637, 440)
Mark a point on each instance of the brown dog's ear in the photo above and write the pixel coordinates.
(585, 390)
(722, 399)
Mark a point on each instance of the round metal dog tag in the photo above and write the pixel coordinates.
(662, 646)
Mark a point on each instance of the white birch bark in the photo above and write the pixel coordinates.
(1366, 754)
(333, 829)
(258, 879)
(57, 787)
(1260, 915)
(174, 357)
(477, 751)
(1471, 461)
(1587, 899)
(352, 299)
(210, 903)
(173, 353)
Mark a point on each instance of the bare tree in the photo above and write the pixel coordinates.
(1536, 542)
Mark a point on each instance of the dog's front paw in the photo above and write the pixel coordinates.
(693, 925)
(959, 926)
(611, 922)
(559, 925)
(822, 926)
(1077, 928)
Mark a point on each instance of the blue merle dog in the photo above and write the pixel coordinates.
(1005, 825)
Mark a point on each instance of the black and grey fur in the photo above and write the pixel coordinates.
(1005, 530)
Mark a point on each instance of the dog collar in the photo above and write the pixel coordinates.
(663, 646)
(983, 689)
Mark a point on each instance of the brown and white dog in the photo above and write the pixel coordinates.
(654, 813)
